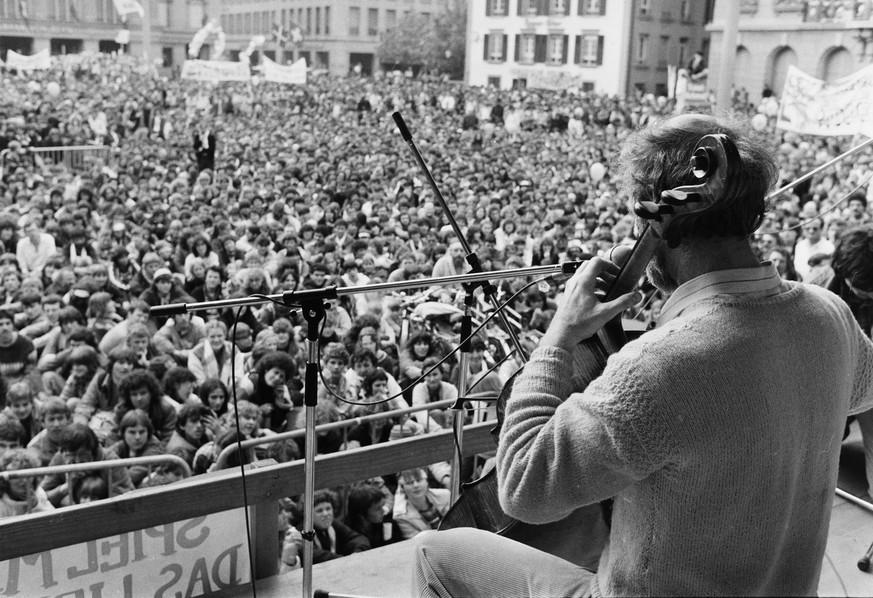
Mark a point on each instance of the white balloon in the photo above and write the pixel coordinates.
(759, 122)
(53, 89)
(597, 171)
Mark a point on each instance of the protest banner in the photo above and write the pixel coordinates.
(294, 74)
(815, 107)
(215, 70)
(38, 61)
(194, 557)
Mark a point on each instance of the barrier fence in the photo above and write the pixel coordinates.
(74, 158)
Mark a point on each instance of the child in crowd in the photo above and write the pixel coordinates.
(56, 418)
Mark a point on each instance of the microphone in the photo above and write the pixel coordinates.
(170, 309)
(401, 126)
(864, 562)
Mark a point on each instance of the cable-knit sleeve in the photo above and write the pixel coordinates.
(561, 450)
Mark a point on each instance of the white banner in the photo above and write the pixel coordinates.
(126, 7)
(195, 557)
(215, 70)
(39, 61)
(815, 107)
(294, 74)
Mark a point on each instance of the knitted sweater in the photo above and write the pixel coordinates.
(718, 435)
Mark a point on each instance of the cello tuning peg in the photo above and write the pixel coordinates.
(648, 210)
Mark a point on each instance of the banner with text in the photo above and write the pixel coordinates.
(815, 107)
(215, 70)
(194, 557)
(294, 74)
(39, 61)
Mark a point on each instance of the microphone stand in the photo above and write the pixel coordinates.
(467, 321)
(312, 304)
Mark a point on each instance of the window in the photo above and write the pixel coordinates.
(327, 20)
(683, 50)
(587, 86)
(390, 19)
(557, 50)
(494, 82)
(559, 7)
(589, 49)
(317, 20)
(167, 57)
(663, 49)
(309, 20)
(643, 47)
(373, 22)
(525, 48)
(322, 60)
(685, 10)
(497, 8)
(519, 83)
(592, 7)
(644, 8)
(354, 20)
(495, 47)
(532, 8)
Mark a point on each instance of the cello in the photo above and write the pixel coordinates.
(713, 163)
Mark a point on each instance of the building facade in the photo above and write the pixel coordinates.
(339, 36)
(827, 39)
(74, 26)
(606, 46)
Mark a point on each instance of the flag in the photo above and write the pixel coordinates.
(125, 7)
(22, 9)
(122, 38)
(279, 35)
(295, 33)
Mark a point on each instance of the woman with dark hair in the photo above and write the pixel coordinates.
(419, 347)
(366, 513)
(84, 364)
(214, 395)
(275, 387)
(122, 269)
(212, 288)
(137, 439)
(190, 434)
(199, 248)
(141, 390)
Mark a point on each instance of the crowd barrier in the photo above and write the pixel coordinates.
(74, 158)
(127, 536)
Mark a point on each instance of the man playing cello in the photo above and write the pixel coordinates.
(717, 433)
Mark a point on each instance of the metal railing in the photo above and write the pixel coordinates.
(342, 425)
(73, 157)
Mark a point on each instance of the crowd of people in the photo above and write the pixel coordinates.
(207, 192)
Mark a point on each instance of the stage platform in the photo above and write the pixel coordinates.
(386, 572)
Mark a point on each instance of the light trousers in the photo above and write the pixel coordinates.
(467, 562)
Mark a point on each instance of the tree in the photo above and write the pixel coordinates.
(435, 44)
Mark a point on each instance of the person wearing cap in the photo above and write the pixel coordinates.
(164, 290)
(151, 262)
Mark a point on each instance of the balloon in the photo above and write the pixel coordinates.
(34, 86)
(597, 171)
(53, 89)
(759, 122)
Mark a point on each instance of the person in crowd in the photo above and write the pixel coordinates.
(419, 347)
(11, 433)
(164, 290)
(141, 390)
(21, 496)
(812, 244)
(368, 514)
(214, 394)
(853, 282)
(276, 388)
(39, 327)
(137, 314)
(103, 392)
(193, 420)
(34, 248)
(333, 538)
(137, 439)
(84, 362)
(432, 390)
(214, 356)
(22, 403)
(79, 444)
(56, 417)
(17, 353)
(417, 506)
(612, 439)
(102, 314)
(179, 335)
